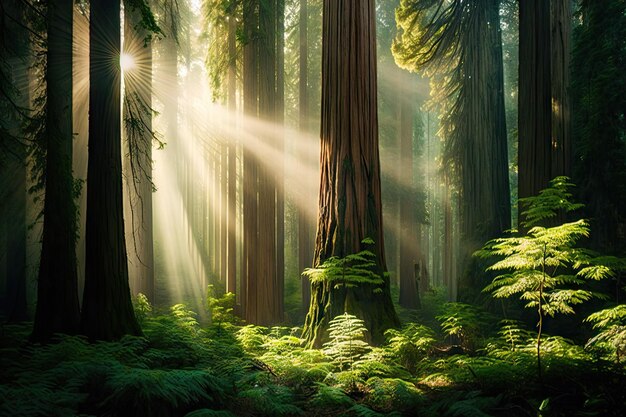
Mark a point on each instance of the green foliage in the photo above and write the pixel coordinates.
(411, 344)
(611, 323)
(142, 308)
(221, 309)
(353, 270)
(464, 322)
(346, 344)
(545, 267)
(159, 393)
(552, 200)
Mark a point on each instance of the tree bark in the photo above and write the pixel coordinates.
(304, 228)
(409, 249)
(231, 280)
(57, 289)
(107, 309)
(534, 125)
(561, 33)
(14, 56)
(350, 208)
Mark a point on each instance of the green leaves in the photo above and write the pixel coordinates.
(353, 270)
(549, 202)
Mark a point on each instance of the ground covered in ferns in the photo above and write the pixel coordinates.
(182, 368)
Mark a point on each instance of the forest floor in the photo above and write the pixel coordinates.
(180, 368)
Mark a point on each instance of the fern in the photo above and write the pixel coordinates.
(158, 392)
(464, 322)
(545, 268)
(346, 344)
(611, 324)
(411, 344)
(353, 270)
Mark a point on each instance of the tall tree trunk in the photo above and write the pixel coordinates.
(250, 187)
(57, 289)
(484, 165)
(107, 309)
(534, 125)
(280, 177)
(409, 249)
(231, 280)
(14, 59)
(561, 33)
(138, 106)
(263, 304)
(350, 208)
(304, 228)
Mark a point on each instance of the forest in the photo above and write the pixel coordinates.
(217, 208)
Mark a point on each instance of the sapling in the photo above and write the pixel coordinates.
(544, 266)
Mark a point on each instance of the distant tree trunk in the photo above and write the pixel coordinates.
(138, 105)
(350, 206)
(535, 109)
(280, 178)
(263, 296)
(449, 278)
(410, 252)
(107, 309)
(304, 228)
(14, 59)
(250, 186)
(561, 34)
(231, 280)
(57, 289)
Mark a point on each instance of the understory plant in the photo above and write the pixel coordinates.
(544, 266)
(347, 340)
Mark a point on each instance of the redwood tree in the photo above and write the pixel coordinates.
(57, 287)
(107, 309)
(350, 208)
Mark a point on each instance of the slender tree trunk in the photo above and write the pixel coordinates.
(304, 228)
(57, 289)
(409, 249)
(561, 33)
(138, 105)
(249, 271)
(231, 281)
(280, 177)
(535, 108)
(107, 309)
(350, 208)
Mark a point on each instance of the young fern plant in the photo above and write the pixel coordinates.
(544, 266)
(347, 340)
(351, 271)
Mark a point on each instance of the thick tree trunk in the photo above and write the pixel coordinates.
(535, 109)
(57, 289)
(107, 310)
(14, 52)
(138, 104)
(350, 208)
